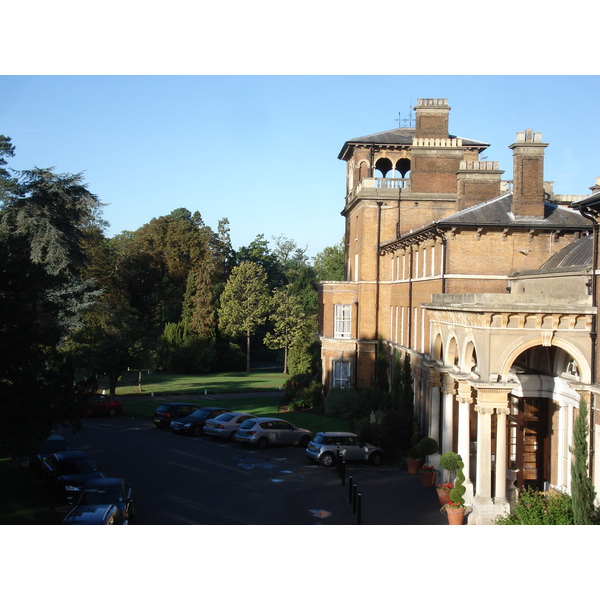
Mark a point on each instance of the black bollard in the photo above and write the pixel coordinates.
(354, 499)
(359, 510)
(343, 473)
(350, 488)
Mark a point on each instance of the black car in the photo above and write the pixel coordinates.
(110, 491)
(65, 473)
(165, 413)
(194, 423)
(107, 514)
(54, 443)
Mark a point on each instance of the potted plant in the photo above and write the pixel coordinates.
(448, 462)
(414, 458)
(428, 474)
(455, 509)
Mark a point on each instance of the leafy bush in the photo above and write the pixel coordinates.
(303, 392)
(368, 428)
(396, 430)
(537, 508)
(342, 402)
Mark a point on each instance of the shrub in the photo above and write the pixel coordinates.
(368, 428)
(458, 493)
(449, 461)
(396, 430)
(342, 402)
(427, 446)
(537, 508)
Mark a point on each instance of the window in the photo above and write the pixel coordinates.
(341, 373)
(342, 326)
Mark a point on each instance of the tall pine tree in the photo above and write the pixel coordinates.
(582, 490)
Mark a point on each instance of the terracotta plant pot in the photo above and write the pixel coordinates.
(443, 496)
(413, 465)
(428, 478)
(456, 516)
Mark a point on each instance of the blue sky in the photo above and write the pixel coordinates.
(262, 150)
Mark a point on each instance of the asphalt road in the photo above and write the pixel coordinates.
(179, 480)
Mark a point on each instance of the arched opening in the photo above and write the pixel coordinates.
(403, 167)
(438, 348)
(537, 433)
(452, 356)
(382, 167)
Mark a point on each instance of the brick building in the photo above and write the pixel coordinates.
(447, 262)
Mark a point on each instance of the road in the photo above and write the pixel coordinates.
(180, 480)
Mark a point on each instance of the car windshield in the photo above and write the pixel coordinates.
(248, 424)
(50, 446)
(101, 496)
(79, 465)
(225, 417)
(201, 413)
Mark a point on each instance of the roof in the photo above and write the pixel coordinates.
(574, 257)
(403, 136)
(497, 212)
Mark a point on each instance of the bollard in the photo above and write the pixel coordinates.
(343, 473)
(359, 510)
(354, 499)
(350, 488)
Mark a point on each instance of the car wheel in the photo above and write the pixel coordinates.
(112, 412)
(376, 459)
(327, 459)
(198, 431)
(262, 443)
(231, 437)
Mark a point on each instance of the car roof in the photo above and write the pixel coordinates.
(337, 433)
(178, 404)
(213, 408)
(66, 454)
(106, 482)
(263, 419)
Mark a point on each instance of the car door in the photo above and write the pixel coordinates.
(286, 433)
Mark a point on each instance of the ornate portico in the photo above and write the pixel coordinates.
(513, 364)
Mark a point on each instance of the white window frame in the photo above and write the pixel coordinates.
(342, 321)
(340, 373)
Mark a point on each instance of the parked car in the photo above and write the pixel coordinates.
(65, 473)
(325, 446)
(100, 405)
(110, 491)
(226, 424)
(53, 443)
(165, 413)
(194, 423)
(266, 431)
(103, 514)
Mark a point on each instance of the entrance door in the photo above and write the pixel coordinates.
(528, 443)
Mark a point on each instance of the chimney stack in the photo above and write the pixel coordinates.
(528, 175)
(477, 181)
(431, 118)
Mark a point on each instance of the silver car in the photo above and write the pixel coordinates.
(266, 431)
(325, 446)
(225, 425)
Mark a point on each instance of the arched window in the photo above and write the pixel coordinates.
(382, 167)
(403, 167)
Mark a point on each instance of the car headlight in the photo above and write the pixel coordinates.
(186, 425)
(72, 488)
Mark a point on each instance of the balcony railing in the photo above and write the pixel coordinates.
(381, 183)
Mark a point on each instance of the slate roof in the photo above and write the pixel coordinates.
(497, 212)
(403, 136)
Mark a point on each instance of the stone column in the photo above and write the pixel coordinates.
(435, 383)
(484, 455)
(465, 399)
(448, 414)
(500, 490)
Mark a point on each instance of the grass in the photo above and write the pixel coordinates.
(220, 383)
(143, 404)
(22, 505)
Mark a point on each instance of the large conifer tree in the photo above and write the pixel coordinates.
(582, 490)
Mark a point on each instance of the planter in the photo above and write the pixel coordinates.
(428, 477)
(413, 465)
(443, 496)
(456, 516)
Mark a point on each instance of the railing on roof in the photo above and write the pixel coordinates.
(382, 183)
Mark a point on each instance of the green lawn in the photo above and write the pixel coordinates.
(220, 383)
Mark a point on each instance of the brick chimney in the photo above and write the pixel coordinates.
(431, 116)
(596, 188)
(528, 175)
(477, 181)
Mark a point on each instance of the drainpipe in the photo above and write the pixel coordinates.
(379, 204)
(594, 338)
(410, 298)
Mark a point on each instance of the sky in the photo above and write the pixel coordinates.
(239, 110)
(261, 150)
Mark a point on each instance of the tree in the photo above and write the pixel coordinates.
(288, 320)
(582, 490)
(245, 303)
(44, 223)
(329, 263)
